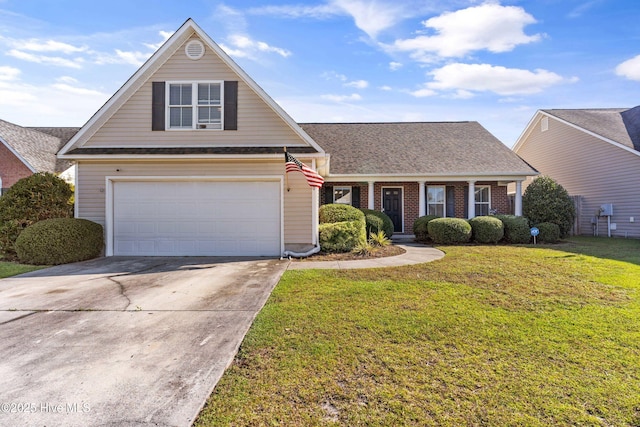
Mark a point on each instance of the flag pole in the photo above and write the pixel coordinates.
(286, 175)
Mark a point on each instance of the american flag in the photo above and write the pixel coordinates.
(294, 165)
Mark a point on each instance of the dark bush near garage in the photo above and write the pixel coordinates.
(549, 232)
(336, 212)
(342, 228)
(59, 241)
(387, 224)
(31, 199)
(449, 230)
(545, 200)
(516, 229)
(420, 229)
(486, 229)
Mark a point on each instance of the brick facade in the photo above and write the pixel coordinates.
(11, 168)
(410, 194)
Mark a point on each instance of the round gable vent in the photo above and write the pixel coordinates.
(194, 49)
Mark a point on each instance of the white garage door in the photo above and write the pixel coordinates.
(196, 218)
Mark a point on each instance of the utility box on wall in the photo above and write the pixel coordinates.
(606, 209)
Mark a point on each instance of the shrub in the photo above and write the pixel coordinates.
(516, 229)
(549, 232)
(342, 236)
(59, 241)
(420, 227)
(545, 200)
(449, 230)
(338, 213)
(486, 229)
(32, 199)
(379, 239)
(387, 224)
(373, 224)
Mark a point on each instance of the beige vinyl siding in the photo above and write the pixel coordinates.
(297, 202)
(258, 123)
(587, 166)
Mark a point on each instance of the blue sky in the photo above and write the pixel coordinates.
(495, 62)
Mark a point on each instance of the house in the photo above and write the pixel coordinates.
(595, 155)
(25, 151)
(187, 159)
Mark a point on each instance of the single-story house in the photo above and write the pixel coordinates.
(25, 151)
(187, 159)
(595, 155)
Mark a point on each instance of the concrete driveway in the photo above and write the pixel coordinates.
(124, 341)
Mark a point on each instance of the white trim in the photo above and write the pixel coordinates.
(15, 153)
(476, 187)
(194, 105)
(506, 176)
(471, 200)
(444, 201)
(422, 198)
(401, 201)
(371, 197)
(111, 179)
(342, 186)
(136, 157)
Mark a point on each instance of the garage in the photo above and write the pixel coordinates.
(196, 218)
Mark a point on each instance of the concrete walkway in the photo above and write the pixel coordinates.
(415, 254)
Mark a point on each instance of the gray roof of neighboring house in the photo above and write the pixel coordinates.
(38, 146)
(621, 125)
(433, 148)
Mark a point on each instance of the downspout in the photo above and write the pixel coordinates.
(310, 252)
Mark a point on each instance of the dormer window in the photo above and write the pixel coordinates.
(195, 105)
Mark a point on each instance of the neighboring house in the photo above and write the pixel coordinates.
(595, 155)
(187, 159)
(25, 151)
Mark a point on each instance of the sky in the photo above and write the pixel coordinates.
(495, 62)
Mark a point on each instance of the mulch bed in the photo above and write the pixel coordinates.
(386, 251)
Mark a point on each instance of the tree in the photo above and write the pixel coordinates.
(547, 201)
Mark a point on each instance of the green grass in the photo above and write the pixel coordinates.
(8, 269)
(489, 335)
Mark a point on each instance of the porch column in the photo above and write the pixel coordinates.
(422, 206)
(471, 201)
(518, 199)
(371, 200)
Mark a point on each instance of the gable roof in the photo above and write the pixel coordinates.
(136, 81)
(431, 149)
(35, 148)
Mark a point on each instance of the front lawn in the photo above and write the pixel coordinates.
(489, 335)
(8, 269)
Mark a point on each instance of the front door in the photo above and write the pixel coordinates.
(392, 206)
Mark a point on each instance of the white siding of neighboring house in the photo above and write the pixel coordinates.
(589, 167)
(258, 124)
(297, 202)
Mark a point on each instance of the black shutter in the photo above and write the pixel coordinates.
(328, 194)
(466, 202)
(230, 105)
(157, 106)
(355, 197)
(451, 201)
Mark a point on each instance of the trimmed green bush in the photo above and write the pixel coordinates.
(337, 212)
(420, 229)
(545, 200)
(549, 232)
(31, 199)
(516, 229)
(387, 224)
(374, 224)
(342, 236)
(486, 229)
(449, 230)
(59, 241)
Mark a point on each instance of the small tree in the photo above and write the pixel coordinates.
(547, 201)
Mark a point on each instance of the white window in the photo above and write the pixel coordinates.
(342, 195)
(194, 105)
(483, 199)
(436, 200)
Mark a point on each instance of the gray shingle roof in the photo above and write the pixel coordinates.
(621, 125)
(38, 148)
(435, 148)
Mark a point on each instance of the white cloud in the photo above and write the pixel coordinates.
(316, 12)
(385, 88)
(49, 60)
(467, 78)
(9, 73)
(67, 88)
(164, 35)
(372, 17)
(243, 46)
(489, 27)
(342, 98)
(393, 66)
(423, 92)
(330, 75)
(36, 45)
(630, 68)
(358, 84)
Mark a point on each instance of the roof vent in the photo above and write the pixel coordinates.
(194, 50)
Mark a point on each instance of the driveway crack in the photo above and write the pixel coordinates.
(123, 292)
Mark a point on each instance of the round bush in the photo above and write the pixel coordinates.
(387, 224)
(373, 224)
(545, 200)
(420, 227)
(516, 229)
(31, 199)
(549, 232)
(486, 229)
(449, 230)
(336, 212)
(59, 241)
(341, 236)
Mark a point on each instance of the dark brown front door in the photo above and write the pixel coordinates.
(392, 206)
